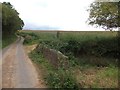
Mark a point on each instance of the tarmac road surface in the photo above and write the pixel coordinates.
(17, 69)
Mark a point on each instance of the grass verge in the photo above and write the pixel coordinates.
(55, 78)
(8, 41)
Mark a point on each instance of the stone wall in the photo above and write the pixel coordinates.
(56, 58)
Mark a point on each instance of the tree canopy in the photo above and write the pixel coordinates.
(11, 22)
(104, 14)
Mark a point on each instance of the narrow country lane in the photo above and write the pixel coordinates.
(17, 69)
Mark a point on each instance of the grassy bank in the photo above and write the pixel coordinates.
(92, 57)
(55, 78)
(7, 41)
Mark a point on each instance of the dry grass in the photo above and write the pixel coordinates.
(29, 48)
(96, 77)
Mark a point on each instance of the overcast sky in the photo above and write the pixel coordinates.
(54, 14)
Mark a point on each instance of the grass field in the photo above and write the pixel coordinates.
(92, 56)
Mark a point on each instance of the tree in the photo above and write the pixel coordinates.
(11, 22)
(0, 10)
(104, 14)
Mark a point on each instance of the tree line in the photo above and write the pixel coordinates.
(11, 22)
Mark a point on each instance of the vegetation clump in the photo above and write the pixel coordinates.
(56, 78)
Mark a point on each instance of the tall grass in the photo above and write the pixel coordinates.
(86, 36)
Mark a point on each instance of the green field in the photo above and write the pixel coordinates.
(92, 57)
